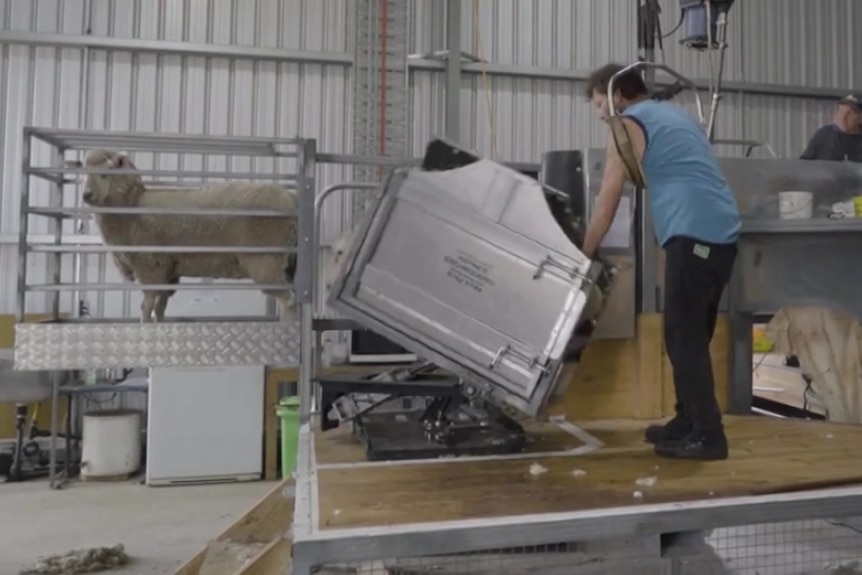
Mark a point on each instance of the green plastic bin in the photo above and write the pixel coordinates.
(288, 412)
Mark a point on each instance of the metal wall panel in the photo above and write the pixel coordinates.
(101, 89)
(793, 42)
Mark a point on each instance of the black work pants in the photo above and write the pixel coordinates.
(696, 273)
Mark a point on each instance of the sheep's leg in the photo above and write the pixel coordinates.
(286, 302)
(162, 300)
(147, 305)
(162, 305)
(265, 270)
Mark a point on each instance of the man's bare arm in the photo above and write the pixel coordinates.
(613, 180)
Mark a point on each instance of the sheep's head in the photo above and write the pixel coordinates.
(336, 258)
(111, 189)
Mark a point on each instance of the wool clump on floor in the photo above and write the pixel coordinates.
(78, 561)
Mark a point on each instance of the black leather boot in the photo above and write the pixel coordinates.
(699, 446)
(706, 441)
(677, 428)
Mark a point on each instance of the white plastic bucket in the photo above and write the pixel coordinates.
(111, 444)
(795, 205)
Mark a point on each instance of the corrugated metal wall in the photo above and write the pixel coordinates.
(797, 42)
(794, 42)
(165, 93)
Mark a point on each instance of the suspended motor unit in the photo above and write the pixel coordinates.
(700, 19)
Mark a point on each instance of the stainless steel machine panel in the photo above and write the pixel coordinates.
(468, 269)
(815, 261)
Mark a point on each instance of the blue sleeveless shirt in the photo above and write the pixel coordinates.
(688, 194)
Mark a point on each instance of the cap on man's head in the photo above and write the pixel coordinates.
(854, 100)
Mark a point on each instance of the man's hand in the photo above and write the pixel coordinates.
(613, 180)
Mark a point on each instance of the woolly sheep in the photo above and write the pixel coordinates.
(128, 190)
(339, 251)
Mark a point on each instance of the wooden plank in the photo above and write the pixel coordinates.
(229, 557)
(275, 559)
(651, 383)
(271, 517)
(254, 541)
(625, 379)
(767, 455)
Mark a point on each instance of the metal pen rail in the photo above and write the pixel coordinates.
(51, 174)
(142, 286)
(72, 249)
(167, 143)
(53, 212)
(61, 174)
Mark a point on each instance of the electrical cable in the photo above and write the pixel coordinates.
(675, 28)
(486, 87)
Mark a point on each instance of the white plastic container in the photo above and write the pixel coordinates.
(111, 444)
(795, 205)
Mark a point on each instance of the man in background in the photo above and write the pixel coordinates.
(840, 141)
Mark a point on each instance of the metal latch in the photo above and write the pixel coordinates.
(531, 361)
(550, 262)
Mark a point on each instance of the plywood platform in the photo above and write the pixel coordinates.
(607, 465)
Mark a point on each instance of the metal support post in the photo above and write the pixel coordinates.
(453, 70)
(647, 19)
(741, 346)
(741, 352)
(23, 227)
(56, 381)
(55, 262)
(304, 282)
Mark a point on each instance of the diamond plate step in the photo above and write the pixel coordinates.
(57, 346)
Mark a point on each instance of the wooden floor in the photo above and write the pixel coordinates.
(767, 456)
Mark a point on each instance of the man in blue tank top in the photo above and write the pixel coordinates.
(696, 223)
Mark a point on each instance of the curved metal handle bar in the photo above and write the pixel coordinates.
(682, 79)
(318, 217)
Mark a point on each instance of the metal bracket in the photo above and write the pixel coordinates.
(530, 361)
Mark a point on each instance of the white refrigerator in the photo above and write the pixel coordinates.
(205, 424)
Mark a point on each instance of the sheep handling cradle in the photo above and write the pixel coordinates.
(468, 264)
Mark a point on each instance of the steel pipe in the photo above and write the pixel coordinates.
(53, 212)
(166, 47)
(149, 287)
(73, 249)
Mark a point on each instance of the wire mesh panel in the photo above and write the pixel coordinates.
(627, 556)
(810, 547)
(832, 547)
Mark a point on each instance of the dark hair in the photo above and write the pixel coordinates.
(630, 85)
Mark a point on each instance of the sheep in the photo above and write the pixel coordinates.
(335, 259)
(128, 190)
